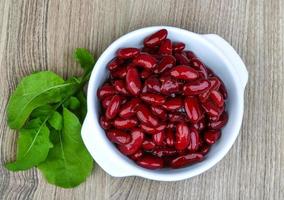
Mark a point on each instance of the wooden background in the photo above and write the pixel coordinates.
(40, 35)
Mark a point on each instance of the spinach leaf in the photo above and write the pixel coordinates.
(68, 162)
(41, 112)
(35, 90)
(73, 103)
(33, 145)
(85, 58)
(55, 121)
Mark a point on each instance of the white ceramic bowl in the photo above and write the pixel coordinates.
(214, 52)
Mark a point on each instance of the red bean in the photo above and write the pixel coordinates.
(119, 72)
(217, 98)
(153, 99)
(145, 116)
(204, 149)
(166, 47)
(134, 145)
(176, 117)
(211, 136)
(182, 59)
(156, 38)
(220, 123)
(211, 109)
(118, 136)
(196, 87)
(151, 162)
(183, 161)
(105, 124)
(182, 136)
(184, 72)
(129, 109)
(164, 151)
(223, 91)
(167, 62)
(178, 46)
(105, 101)
(106, 90)
(127, 53)
(145, 74)
(136, 155)
(153, 84)
(114, 63)
(173, 104)
(145, 60)
(148, 144)
(170, 86)
(159, 137)
(200, 125)
(121, 123)
(170, 139)
(159, 112)
(133, 82)
(190, 55)
(120, 87)
(194, 140)
(153, 130)
(113, 107)
(192, 109)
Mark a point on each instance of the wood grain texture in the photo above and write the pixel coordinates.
(41, 34)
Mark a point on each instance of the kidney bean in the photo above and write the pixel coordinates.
(196, 87)
(220, 123)
(170, 86)
(145, 74)
(176, 117)
(129, 109)
(150, 162)
(120, 87)
(127, 53)
(133, 82)
(114, 63)
(105, 124)
(151, 50)
(136, 155)
(167, 62)
(145, 116)
(156, 38)
(190, 55)
(121, 123)
(105, 101)
(145, 60)
(211, 109)
(217, 98)
(223, 91)
(178, 46)
(159, 137)
(119, 72)
(204, 149)
(153, 84)
(137, 138)
(153, 130)
(113, 107)
(153, 99)
(148, 144)
(211, 136)
(170, 139)
(182, 136)
(181, 59)
(214, 85)
(184, 72)
(159, 112)
(183, 161)
(118, 136)
(194, 140)
(166, 47)
(164, 151)
(106, 90)
(173, 104)
(192, 109)
(200, 125)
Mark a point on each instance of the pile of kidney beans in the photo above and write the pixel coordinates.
(161, 106)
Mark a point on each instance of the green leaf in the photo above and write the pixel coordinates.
(85, 58)
(68, 163)
(33, 91)
(41, 112)
(83, 105)
(55, 121)
(32, 146)
(74, 103)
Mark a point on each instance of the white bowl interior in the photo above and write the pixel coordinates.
(212, 58)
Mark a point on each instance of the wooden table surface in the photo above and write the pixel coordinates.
(41, 35)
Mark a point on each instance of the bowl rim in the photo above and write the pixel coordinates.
(150, 174)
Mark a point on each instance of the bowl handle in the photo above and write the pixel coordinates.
(100, 151)
(231, 55)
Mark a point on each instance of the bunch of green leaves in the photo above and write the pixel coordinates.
(48, 111)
